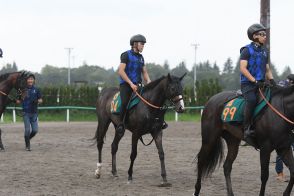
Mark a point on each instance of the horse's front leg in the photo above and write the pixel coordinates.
(289, 162)
(133, 156)
(265, 152)
(1, 145)
(158, 142)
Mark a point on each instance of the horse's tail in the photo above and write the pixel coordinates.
(209, 157)
(211, 152)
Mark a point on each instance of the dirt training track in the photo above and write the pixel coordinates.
(62, 162)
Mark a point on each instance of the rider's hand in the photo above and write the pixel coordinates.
(134, 87)
(259, 84)
(17, 101)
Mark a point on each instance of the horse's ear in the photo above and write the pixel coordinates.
(183, 76)
(169, 77)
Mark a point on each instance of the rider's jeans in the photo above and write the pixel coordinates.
(30, 121)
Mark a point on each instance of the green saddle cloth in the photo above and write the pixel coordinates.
(233, 110)
(116, 103)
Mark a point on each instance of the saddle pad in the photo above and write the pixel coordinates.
(233, 110)
(116, 103)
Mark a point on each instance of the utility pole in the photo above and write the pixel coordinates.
(265, 21)
(194, 86)
(68, 72)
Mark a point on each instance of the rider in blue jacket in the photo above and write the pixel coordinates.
(255, 69)
(130, 69)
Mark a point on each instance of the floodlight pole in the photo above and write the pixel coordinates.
(68, 71)
(194, 86)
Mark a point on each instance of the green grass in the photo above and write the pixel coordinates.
(89, 115)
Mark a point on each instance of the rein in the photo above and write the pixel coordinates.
(150, 104)
(274, 109)
(3, 93)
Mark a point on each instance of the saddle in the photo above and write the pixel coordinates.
(234, 108)
(116, 102)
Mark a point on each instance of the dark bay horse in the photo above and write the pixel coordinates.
(142, 119)
(8, 81)
(272, 133)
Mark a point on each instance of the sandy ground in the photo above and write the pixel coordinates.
(62, 162)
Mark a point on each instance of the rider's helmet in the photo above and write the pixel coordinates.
(137, 38)
(254, 29)
(1, 53)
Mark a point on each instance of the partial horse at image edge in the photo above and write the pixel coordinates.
(272, 133)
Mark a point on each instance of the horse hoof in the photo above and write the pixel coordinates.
(130, 181)
(97, 174)
(114, 174)
(165, 184)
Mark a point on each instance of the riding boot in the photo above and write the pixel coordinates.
(249, 134)
(27, 141)
(32, 135)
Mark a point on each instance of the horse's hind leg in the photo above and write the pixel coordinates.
(114, 147)
(100, 134)
(1, 145)
(289, 162)
(233, 147)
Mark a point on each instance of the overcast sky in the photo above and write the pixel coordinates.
(35, 32)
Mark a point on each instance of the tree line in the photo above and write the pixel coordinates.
(86, 79)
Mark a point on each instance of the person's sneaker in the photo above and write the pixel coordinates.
(281, 177)
(28, 149)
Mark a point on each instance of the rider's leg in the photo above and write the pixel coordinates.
(34, 124)
(125, 94)
(249, 92)
(27, 131)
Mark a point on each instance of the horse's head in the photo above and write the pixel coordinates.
(174, 92)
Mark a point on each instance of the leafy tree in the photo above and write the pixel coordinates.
(285, 73)
(228, 66)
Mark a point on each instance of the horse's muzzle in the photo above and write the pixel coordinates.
(180, 109)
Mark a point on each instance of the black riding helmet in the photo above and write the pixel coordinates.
(254, 29)
(1, 53)
(137, 38)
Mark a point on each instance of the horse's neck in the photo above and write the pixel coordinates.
(288, 102)
(156, 96)
(6, 86)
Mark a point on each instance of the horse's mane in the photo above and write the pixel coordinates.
(279, 90)
(4, 76)
(154, 83)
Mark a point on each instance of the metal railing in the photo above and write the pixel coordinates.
(68, 108)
